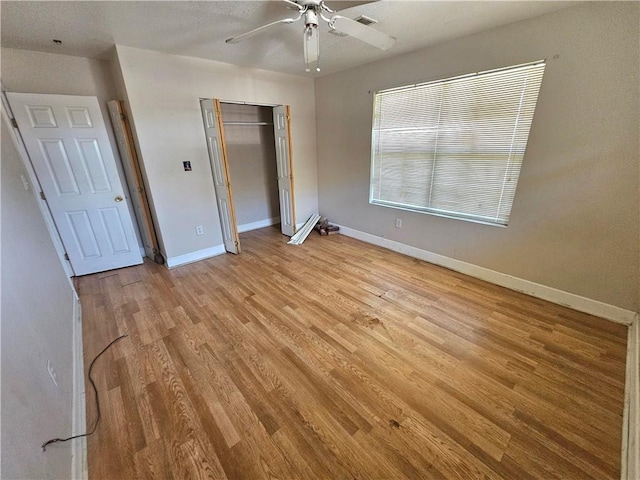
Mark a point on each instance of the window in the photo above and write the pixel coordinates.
(454, 147)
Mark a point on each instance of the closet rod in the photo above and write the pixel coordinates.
(247, 123)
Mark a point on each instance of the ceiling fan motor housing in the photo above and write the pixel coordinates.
(311, 18)
(309, 3)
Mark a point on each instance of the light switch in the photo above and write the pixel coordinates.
(25, 182)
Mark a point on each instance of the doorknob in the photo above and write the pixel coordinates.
(119, 198)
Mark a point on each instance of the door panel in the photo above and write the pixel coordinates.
(67, 141)
(83, 234)
(79, 117)
(93, 165)
(113, 225)
(57, 161)
(211, 117)
(282, 130)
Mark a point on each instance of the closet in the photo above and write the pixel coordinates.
(250, 153)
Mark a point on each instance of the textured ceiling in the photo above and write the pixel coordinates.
(198, 29)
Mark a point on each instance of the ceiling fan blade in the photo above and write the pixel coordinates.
(293, 4)
(362, 32)
(261, 29)
(341, 6)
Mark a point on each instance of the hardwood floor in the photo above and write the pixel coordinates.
(337, 359)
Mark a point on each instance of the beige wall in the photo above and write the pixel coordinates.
(37, 320)
(251, 152)
(25, 71)
(164, 92)
(574, 223)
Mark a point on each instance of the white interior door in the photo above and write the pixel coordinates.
(282, 130)
(67, 142)
(213, 127)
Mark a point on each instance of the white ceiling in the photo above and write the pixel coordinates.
(198, 29)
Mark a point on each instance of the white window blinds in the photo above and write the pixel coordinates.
(454, 147)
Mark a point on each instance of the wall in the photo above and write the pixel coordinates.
(164, 92)
(25, 71)
(574, 223)
(37, 320)
(251, 152)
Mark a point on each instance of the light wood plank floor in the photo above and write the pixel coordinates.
(337, 359)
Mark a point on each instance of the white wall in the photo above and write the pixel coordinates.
(37, 321)
(575, 220)
(164, 92)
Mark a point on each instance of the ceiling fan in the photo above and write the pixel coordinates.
(313, 10)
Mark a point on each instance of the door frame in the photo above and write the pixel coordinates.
(287, 108)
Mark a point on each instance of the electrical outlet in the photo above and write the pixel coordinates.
(52, 373)
(199, 230)
(398, 223)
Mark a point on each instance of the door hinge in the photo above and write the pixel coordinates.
(288, 117)
(14, 123)
(42, 196)
(66, 256)
(123, 116)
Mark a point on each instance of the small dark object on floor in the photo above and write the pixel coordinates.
(325, 228)
(394, 423)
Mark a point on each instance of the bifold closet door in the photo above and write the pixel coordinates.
(282, 131)
(214, 131)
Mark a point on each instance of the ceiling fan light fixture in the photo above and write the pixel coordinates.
(311, 47)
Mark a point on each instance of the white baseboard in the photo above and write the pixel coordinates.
(630, 460)
(576, 302)
(79, 468)
(195, 256)
(247, 227)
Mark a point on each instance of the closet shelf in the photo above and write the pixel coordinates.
(247, 123)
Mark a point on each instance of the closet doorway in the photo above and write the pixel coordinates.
(250, 148)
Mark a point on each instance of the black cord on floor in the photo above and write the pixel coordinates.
(95, 390)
